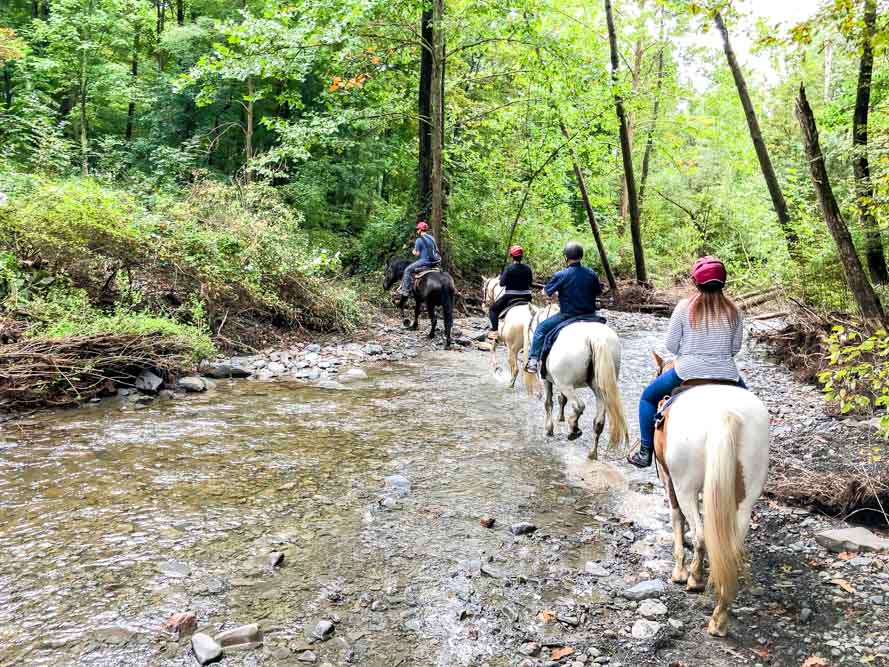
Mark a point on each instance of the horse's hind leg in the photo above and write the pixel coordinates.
(548, 406)
(688, 505)
(599, 423)
(563, 401)
(417, 305)
(430, 308)
(680, 573)
(577, 408)
(513, 355)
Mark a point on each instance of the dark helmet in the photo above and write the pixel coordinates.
(573, 250)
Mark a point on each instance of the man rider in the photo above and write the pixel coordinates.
(426, 249)
(517, 279)
(577, 287)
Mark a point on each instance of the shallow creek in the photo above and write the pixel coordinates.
(111, 520)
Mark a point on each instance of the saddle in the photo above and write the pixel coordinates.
(513, 304)
(424, 272)
(663, 407)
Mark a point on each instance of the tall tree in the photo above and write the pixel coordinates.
(436, 103)
(424, 111)
(873, 247)
(856, 278)
(134, 72)
(658, 87)
(626, 153)
(638, 53)
(762, 153)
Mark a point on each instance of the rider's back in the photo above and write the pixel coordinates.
(578, 287)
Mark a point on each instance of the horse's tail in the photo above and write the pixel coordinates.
(725, 544)
(604, 375)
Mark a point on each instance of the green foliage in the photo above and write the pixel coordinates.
(858, 375)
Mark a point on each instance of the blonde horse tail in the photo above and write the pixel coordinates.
(604, 372)
(725, 544)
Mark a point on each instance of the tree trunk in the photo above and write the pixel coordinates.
(638, 52)
(828, 69)
(873, 246)
(84, 139)
(424, 110)
(649, 142)
(134, 71)
(7, 86)
(180, 12)
(765, 163)
(161, 15)
(248, 134)
(44, 10)
(436, 104)
(591, 215)
(635, 223)
(862, 290)
(35, 9)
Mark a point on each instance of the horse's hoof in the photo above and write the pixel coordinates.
(593, 456)
(714, 629)
(694, 586)
(574, 435)
(679, 577)
(406, 322)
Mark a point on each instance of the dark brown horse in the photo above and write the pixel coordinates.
(433, 289)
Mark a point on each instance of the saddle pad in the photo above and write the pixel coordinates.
(423, 272)
(551, 337)
(664, 406)
(514, 304)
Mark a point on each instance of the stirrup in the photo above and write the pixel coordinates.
(532, 366)
(641, 458)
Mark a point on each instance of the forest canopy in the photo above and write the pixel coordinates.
(210, 155)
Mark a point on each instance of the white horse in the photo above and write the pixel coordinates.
(715, 441)
(513, 330)
(586, 354)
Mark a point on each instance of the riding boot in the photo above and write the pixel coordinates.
(642, 458)
(532, 365)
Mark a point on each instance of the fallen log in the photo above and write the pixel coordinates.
(771, 316)
(759, 299)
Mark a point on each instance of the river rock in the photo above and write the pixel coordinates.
(313, 347)
(643, 629)
(487, 521)
(175, 569)
(276, 368)
(192, 384)
(398, 483)
(276, 558)
(373, 349)
(307, 656)
(205, 648)
(324, 630)
(522, 528)
(225, 371)
(652, 609)
(114, 635)
(595, 569)
(240, 637)
(182, 624)
(851, 539)
(653, 588)
(353, 374)
(149, 382)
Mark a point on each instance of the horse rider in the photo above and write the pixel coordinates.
(704, 336)
(517, 279)
(426, 249)
(577, 287)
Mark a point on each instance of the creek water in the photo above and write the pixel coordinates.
(113, 518)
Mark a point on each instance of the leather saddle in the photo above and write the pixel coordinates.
(425, 272)
(663, 407)
(514, 304)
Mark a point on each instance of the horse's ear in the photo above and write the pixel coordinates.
(659, 362)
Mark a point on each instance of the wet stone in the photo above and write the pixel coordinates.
(595, 569)
(652, 609)
(851, 539)
(175, 569)
(805, 614)
(400, 484)
(652, 588)
(323, 630)
(192, 384)
(226, 371)
(149, 382)
(182, 624)
(522, 528)
(353, 374)
(115, 636)
(487, 521)
(643, 629)
(276, 559)
(215, 585)
(240, 636)
(307, 656)
(205, 648)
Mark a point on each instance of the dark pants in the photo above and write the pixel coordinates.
(407, 281)
(541, 332)
(662, 385)
(500, 305)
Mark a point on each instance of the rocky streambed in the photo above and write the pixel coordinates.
(385, 502)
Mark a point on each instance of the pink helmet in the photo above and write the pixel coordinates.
(422, 226)
(709, 271)
(516, 251)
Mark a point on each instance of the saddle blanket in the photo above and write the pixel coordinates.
(551, 337)
(519, 301)
(663, 407)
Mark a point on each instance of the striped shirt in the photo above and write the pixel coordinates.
(704, 353)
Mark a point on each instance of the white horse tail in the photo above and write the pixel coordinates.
(725, 544)
(604, 372)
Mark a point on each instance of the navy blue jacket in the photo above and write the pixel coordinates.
(578, 288)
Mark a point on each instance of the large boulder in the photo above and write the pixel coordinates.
(149, 382)
(192, 384)
(225, 371)
(206, 649)
(653, 588)
(851, 539)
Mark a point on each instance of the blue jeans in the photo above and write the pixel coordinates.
(541, 332)
(663, 385)
(408, 278)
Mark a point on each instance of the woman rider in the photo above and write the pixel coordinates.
(426, 249)
(705, 334)
(517, 279)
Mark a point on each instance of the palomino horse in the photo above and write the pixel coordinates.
(513, 330)
(586, 354)
(715, 440)
(433, 289)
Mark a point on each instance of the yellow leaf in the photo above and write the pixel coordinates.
(546, 616)
(842, 583)
(814, 661)
(559, 653)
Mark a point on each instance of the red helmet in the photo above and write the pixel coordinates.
(422, 226)
(516, 251)
(709, 271)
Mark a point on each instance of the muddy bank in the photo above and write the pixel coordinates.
(114, 520)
